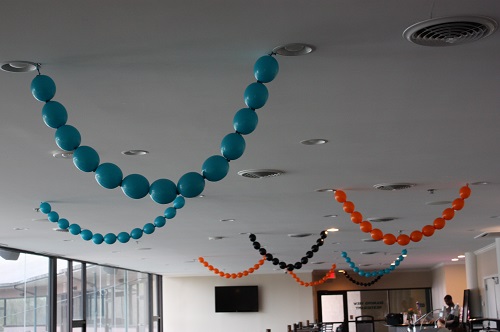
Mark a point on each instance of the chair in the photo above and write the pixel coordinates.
(326, 327)
(365, 323)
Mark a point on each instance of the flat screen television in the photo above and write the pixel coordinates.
(236, 299)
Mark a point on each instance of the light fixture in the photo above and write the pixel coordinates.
(479, 183)
(454, 259)
(293, 49)
(135, 152)
(461, 256)
(214, 238)
(60, 154)
(227, 220)
(394, 186)
(300, 235)
(19, 66)
(325, 190)
(260, 173)
(330, 216)
(332, 229)
(314, 141)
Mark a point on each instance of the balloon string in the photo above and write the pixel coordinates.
(226, 275)
(313, 283)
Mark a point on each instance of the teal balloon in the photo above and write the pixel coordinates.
(401, 258)
(97, 238)
(135, 186)
(179, 202)
(86, 235)
(245, 121)
(392, 267)
(45, 207)
(170, 212)
(136, 233)
(361, 273)
(352, 264)
(191, 184)
(149, 228)
(110, 238)
(215, 168)
(266, 68)
(404, 252)
(347, 260)
(75, 229)
(43, 88)
(163, 191)
(63, 223)
(53, 216)
(232, 146)
(54, 114)
(67, 138)
(108, 175)
(356, 269)
(86, 159)
(397, 263)
(387, 271)
(343, 254)
(123, 237)
(159, 221)
(256, 95)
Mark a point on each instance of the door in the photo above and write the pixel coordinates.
(332, 307)
(492, 288)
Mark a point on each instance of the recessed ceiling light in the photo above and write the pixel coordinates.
(332, 229)
(314, 141)
(135, 152)
(461, 256)
(62, 154)
(454, 259)
(325, 190)
(19, 66)
(227, 220)
(213, 238)
(201, 196)
(293, 49)
(331, 216)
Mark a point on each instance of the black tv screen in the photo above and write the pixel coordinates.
(236, 299)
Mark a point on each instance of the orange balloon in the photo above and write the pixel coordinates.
(465, 192)
(302, 283)
(403, 239)
(306, 284)
(416, 236)
(448, 213)
(365, 226)
(216, 271)
(348, 207)
(201, 260)
(389, 239)
(340, 196)
(256, 266)
(222, 274)
(428, 230)
(240, 274)
(458, 204)
(439, 223)
(233, 275)
(251, 270)
(245, 273)
(227, 275)
(205, 264)
(356, 217)
(262, 261)
(377, 234)
(210, 267)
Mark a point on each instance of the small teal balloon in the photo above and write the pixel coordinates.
(265, 69)
(179, 202)
(123, 237)
(63, 223)
(75, 229)
(352, 265)
(110, 238)
(401, 258)
(43, 88)
(361, 273)
(54, 114)
(45, 207)
(215, 168)
(86, 159)
(135, 186)
(232, 146)
(53, 216)
(86, 235)
(356, 269)
(397, 263)
(343, 254)
(392, 267)
(191, 184)
(108, 175)
(97, 238)
(136, 233)
(149, 228)
(159, 221)
(245, 121)
(347, 260)
(256, 95)
(170, 212)
(163, 191)
(404, 252)
(387, 271)
(68, 138)
(380, 273)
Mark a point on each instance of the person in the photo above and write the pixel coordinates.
(450, 314)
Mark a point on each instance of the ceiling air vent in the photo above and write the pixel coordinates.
(260, 173)
(300, 235)
(369, 252)
(393, 186)
(448, 31)
(383, 219)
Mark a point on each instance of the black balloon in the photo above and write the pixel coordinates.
(320, 242)
(252, 237)
(262, 251)
(309, 254)
(282, 265)
(323, 234)
(290, 267)
(304, 260)
(269, 257)
(298, 265)
(256, 245)
(276, 261)
(314, 248)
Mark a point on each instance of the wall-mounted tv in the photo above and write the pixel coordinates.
(236, 299)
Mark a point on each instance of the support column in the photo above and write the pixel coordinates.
(472, 284)
(497, 247)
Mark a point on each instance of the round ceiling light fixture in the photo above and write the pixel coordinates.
(260, 173)
(393, 186)
(449, 31)
(293, 49)
(19, 66)
(314, 141)
(135, 152)
(59, 154)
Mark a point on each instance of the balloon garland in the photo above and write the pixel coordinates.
(313, 283)
(136, 186)
(231, 275)
(284, 265)
(402, 239)
(381, 272)
(364, 284)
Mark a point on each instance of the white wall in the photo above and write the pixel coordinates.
(189, 304)
(448, 279)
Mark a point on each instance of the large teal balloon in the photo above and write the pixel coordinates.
(179, 202)
(163, 191)
(135, 186)
(256, 95)
(86, 159)
(75, 229)
(123, 237)
(191, 184)
(245, 121)
(110, 238)
(86, 235)
(68, 138)
(266, 68)
(159, 221)
(108, 175)
(149, 228)
(215, 168)
(45, 207)
(97, 238)
(43, 88)
(63, 223)
(232, 146)
(136, 233)
(170, 212)
(54, 114)
(53, 216)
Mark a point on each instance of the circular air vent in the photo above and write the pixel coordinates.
(260, 173)
(383, 219)
(393, 186)
(300, 235)
(448, 31)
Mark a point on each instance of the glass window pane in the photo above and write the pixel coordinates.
(62, 295)
(372, 303)
(77, 291)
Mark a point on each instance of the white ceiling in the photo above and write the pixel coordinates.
(168, 76)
